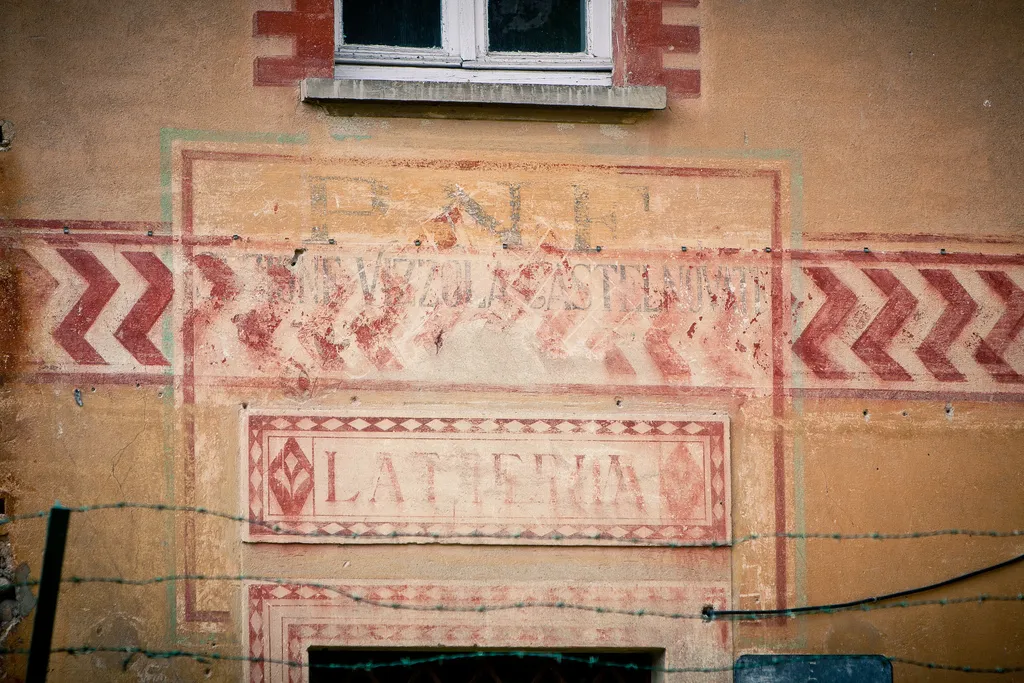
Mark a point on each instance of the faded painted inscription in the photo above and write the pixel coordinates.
(552, 317)
(494, 479)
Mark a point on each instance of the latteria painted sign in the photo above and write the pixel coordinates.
(470, 478)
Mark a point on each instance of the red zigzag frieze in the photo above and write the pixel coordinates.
(70, 334)
(839, 302)
(960, 308)
(990, 351)
(873, 345)
(101, 287)
(35, 281)
(148, 309)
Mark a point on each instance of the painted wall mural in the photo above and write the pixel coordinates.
(280, 271)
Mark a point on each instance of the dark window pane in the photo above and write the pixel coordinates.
(536, 25)
(404, 23)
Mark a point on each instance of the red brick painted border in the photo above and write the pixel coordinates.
(311, 25)
(643, 39)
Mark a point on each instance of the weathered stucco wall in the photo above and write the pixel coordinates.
(231, 254)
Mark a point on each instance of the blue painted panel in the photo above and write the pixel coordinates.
(813, 669)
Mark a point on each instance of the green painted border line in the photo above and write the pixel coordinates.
(341, 137)
(168, 136)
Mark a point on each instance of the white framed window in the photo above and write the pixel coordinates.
(496, 41)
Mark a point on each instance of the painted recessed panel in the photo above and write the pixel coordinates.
(462, 477)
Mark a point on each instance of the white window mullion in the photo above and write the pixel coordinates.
(599, 29)
(479, 9)
(465, 13)
(453, 29)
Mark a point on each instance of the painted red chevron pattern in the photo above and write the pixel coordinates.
(552, 332)
(225, 286)
(133, 330)
(70, 334)
(605, 342)
(658, 342)
(960, 309)
(36, 282)
(373, 330)
(990, 352)
(871, 347)
(317, 335)
(839, 302)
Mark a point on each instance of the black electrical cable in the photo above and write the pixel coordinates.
(710, 613)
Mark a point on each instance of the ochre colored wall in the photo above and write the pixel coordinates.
(857, 402)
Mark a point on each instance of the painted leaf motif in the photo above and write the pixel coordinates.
(291, 478)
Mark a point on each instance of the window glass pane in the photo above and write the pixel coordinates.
(403, 23)
(536, 25)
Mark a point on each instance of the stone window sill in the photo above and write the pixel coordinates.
(642, 98)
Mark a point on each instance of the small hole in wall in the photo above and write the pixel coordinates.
(244, 406)
(905, 414)
(160, 394)
(3, 505)
(618, 400)
(93, 389)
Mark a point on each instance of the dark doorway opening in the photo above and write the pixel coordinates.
(330, 665)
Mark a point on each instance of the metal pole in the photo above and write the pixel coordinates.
(49, 588)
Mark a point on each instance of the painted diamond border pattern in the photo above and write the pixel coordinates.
(712, 431)
(298, 636)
